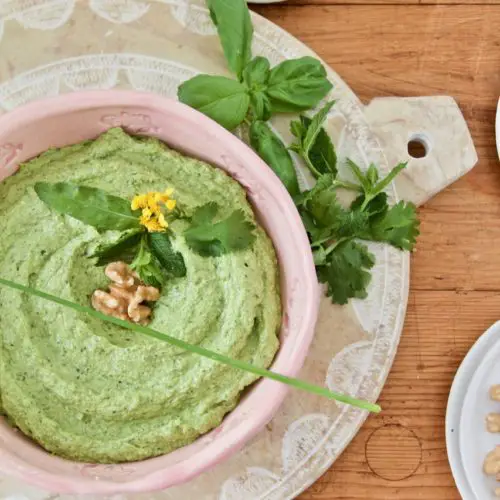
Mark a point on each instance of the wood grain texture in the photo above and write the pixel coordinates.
(412, 50)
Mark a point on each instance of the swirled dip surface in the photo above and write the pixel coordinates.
(90, 391)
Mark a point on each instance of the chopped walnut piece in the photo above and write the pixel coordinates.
(492, 462)
(493, 422)
(495, 392)
(126, 295)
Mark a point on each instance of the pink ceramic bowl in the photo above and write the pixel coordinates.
(36, 127)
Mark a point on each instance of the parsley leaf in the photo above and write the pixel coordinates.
(326, 218)
(398, 226)
(345, 270)
(211, 239)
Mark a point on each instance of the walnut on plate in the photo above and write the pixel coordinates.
(126, 296)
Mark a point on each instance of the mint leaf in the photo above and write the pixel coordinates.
(124, 249)
(171, 261)
(89, 205)
(234, 25)
(224, 100)
(346, 271)
(398, 226)
(147, 266)
(211, 239)
(297, 85)
(314, 144)
(272, 150)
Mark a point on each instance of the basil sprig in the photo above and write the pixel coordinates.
(294, 86)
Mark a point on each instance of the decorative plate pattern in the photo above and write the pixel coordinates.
(55, 46)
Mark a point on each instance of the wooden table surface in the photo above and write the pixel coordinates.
(414, 48)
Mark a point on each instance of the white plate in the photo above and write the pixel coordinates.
(467, 440)
(497, 128)
(475, 441)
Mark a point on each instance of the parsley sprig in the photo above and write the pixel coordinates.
(259, 91)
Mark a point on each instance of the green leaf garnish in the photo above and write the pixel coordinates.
(171, 261)
(297, 85)
(211, 239)
(314, 144)
(124, 249)
(89, 205)
(397, 226)
(147, 266)
(224, 100)
(345, 270)
(235, 29)
(256, 73)
(272, 150)
(196, 349)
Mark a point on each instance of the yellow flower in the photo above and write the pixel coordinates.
(152, 216)
(139, 201)
(171, 204)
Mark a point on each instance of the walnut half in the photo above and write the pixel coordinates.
(126, 296)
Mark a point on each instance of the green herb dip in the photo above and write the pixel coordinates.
(90, 391)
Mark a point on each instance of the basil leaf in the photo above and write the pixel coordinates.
(272, 150)
(260, 106)
(234, 25)
(89, 205)
(125, 249)
(162, 249)
(256, 74)
(297, 85)
(224, 100)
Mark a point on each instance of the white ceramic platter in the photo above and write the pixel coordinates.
(48, 47)
(467, 439)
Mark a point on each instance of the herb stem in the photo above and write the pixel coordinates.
(310, 165)
(196, 349)
(333, 246)
(347, 185)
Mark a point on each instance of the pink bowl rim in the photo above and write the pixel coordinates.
(275, 391)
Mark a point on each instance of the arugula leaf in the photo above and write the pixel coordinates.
(272, 150)
(345, 270)
(224, 100)
(234, 25)
(314, 144)
(211, 239)
(89, 205)
(124, 248)
(147, 266)
(171, 261)
(297, 85)
(398, 226)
